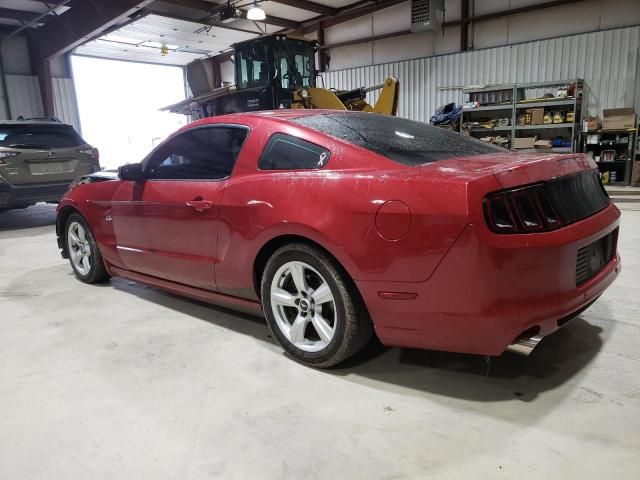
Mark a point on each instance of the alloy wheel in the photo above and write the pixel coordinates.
(303, 306)
(79, 248)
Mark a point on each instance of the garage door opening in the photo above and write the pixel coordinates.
(118, 104)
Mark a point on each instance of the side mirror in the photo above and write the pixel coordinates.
(131, 172)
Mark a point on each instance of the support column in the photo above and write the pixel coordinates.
(464, 25)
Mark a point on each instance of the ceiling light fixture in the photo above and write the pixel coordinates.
(255, 13)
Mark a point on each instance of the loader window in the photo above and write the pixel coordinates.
(252, 68)
(295, 63)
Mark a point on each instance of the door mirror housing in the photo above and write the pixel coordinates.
(131, 172)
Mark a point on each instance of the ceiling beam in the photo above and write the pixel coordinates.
(213, 8)
(202, 21)
(309, 6)
(20, 15)
(366, 39)
(82, 22)
(278, 22)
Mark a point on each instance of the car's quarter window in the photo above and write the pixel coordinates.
(203, 153)
(286, 152)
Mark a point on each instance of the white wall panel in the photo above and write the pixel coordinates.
(64, 102)
(573, 18)
(352, 30)
(606, 60)
(388, 20)
(403, 48)
(353, 55)
(624, 12)
(15, 56)
(24, 96)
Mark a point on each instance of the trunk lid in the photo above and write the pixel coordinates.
(516, 169)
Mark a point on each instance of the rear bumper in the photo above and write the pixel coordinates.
(25, 195)
(491, 288)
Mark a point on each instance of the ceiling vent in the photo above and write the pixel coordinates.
(426, 15)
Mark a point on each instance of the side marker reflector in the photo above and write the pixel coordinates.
(397, 295)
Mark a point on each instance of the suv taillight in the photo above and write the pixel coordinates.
(4, 155)
(94, 157)
(521, 210)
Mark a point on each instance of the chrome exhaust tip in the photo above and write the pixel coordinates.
(525, 345)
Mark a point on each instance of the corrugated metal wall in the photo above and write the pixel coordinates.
(64, 101)
(607, 60)
(25, 99)
(24, 96)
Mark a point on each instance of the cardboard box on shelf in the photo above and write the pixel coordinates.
(618, 119)
(542, 143)
(537, 115)
(524, 142)
(590, 124)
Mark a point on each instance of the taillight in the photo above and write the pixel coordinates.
(94, 157)
(521, 210)
(4, 155)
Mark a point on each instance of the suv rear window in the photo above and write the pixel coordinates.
(39, 136)
(404, 141)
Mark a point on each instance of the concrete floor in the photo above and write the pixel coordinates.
(123, 381)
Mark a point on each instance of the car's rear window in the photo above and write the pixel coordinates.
(39, 136)
(404, 141)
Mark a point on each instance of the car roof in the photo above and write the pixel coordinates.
(32, 122)
(283, 115)
(286, 113)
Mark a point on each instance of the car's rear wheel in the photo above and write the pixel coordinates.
(312, 307)
(84, 255)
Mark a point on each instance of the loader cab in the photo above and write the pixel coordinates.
(274, 66)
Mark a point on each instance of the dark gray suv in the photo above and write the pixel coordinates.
(38, 161)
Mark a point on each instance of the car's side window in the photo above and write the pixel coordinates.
(286, 152)
(205, 153)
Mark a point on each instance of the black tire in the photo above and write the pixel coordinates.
(98, 272)
(353, 326)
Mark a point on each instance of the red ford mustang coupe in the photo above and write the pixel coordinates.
(339, 225)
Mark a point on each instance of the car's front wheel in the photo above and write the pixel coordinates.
(84, 255)
(312, 307)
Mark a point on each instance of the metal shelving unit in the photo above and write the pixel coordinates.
(544, 126)
(622, 142)
(550, 103)
(509, 100)
(488, 108)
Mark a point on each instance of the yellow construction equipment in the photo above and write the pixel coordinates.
(271, 72)
(387, 103)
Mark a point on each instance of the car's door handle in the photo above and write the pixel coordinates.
(200, 205)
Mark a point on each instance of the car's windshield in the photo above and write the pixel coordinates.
(404, 141)
(39, 136)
